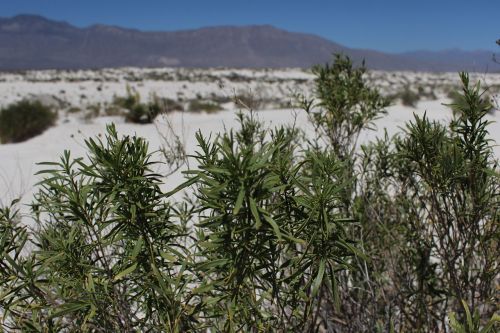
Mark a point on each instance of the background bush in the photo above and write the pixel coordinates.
(24, 120)
(207, 106)
(137, 112)
(409, 97)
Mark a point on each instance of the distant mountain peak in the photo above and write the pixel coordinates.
(31, 22)
(29, 17)
(35, 19)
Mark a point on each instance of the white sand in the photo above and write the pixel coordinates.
(18, 161)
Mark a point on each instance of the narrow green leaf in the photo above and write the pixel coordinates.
(125, 272)
(255, 213)
(203, 289)
(211, 264)
(470, 322)
(188, 183)
(168, 256)
(319, 278)
(239, 201)
(68, 308)
(137, 248)
(274, 225)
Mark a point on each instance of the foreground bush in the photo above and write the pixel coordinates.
(112, 254)
(428, 207)
(279, 234)
(24, 120)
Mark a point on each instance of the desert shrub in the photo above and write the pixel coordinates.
(92, 111)
(421, 226)
(408, 97)
(74, 109)
(457, 101)
(345, 105)
(249, 101)
(276, 233)
(221, 99)
(426, 93)
(137, 112)
(113, 110)
(14, 274)
(24, 120)
(169, 105)
(109, 252)
(266, 254)
(197, 105)
(143, 113)
(272, 236)
(112, 254)
(427, 207)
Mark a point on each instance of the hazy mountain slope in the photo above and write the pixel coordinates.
(34, 42)
(457, 60)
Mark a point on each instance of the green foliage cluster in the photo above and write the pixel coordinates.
(277, 233)
(137, 112)
(207, 106)
(409, 97)
(23, 120)
(429, 210)
(472, 322)
(345, 105)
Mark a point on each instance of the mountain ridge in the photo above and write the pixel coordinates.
(35, 42)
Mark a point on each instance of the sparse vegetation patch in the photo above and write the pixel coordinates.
(24, 120)
(208, 106)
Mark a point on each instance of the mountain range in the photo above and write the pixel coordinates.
(35, 42)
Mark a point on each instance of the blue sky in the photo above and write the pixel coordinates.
(391, 25)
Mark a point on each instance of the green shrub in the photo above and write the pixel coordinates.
(92, 111)
(24, 120)
(113, 110)
(428, 94)
(198, 106)
(270, 220)
(457, 102)
(74, 109)
(142, 113)
(112, 253)
(135, 111)
(472, 322)
(108, 250)
(249, 101)
(409, 98)
(277, 233)
(428, 210)
(169, 105)
(344, 106)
